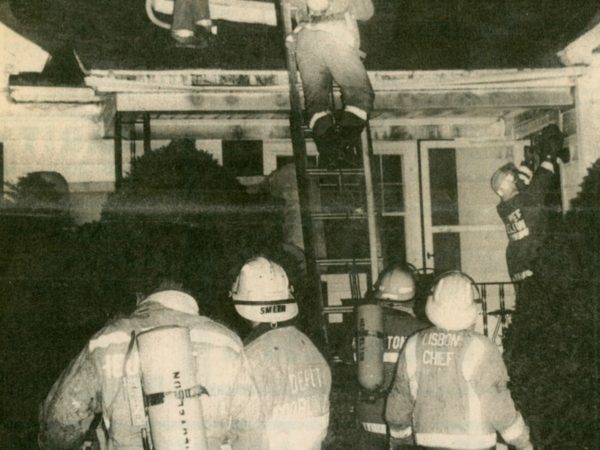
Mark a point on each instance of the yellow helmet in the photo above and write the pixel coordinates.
(396, 284)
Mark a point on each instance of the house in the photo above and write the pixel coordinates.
(437, 138)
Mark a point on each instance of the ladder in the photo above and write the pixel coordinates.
(314, 217)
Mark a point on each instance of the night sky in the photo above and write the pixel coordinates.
(403, 35)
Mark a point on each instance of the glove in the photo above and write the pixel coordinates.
(551, 142)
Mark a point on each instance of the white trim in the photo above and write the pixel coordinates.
(105, 340)
(378, 428)
(548, 166)
(472, 358)
(519, 235)
(515, 430)
(203, 336)
(525, 171)
(317, 116)
(361, 113)
(400, 434)
(522, 275)
(390, 357)
(459, 441)
(410, 352)
(176, 300)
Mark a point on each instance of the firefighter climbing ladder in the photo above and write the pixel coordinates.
(310, 184)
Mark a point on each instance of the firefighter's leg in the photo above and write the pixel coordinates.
(202, 19)
(316, 83)
(357, 95)
(184, 23)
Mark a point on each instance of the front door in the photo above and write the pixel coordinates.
(461, 229)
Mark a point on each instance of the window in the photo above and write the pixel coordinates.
(243, 158)
(444, 186)
(390, 192)
(390, 186)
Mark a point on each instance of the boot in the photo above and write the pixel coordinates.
(350, 127)
(326, 141)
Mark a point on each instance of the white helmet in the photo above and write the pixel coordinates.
(262, 292)
(451, 305)
(317, 6)
(395, 284)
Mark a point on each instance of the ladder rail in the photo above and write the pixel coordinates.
(300, 161)
(313, 264)
(366, 151)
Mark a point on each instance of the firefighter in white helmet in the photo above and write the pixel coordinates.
(107, 378)
(450, 390)
(394, 293)
(327, 45)
(293, 378)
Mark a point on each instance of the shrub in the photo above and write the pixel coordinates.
(552, 346)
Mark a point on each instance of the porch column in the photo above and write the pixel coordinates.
(588, 118)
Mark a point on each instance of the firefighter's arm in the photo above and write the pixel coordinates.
(362, 9)
(401, 399)
(491, 381)
(247, 415)
(69, 408)
(540, 183)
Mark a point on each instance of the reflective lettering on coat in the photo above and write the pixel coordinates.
(442, 339)
(395, 342)
(272, 309)
(305, 379)
(434, 358)
(515, 223)
(441, 355)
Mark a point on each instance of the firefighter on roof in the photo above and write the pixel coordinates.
(209, 397)
(450, 390)
(521, 206)
(394, 294)
(292, 377)
(327, 46)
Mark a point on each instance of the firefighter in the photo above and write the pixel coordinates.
(450, 390)
(293, 378)
(327, 46)
(105, 379)
(192, 25)
(521, 206)
(395, 293)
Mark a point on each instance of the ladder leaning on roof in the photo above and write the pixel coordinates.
(309, 185)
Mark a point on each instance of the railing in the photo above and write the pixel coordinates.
(500, 291)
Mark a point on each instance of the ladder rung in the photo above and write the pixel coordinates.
(337, 172)
(340, 262)
(352, 215)
(338, 309)
(307, 132)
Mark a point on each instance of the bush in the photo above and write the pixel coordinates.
(178, 215)
(552, 346)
